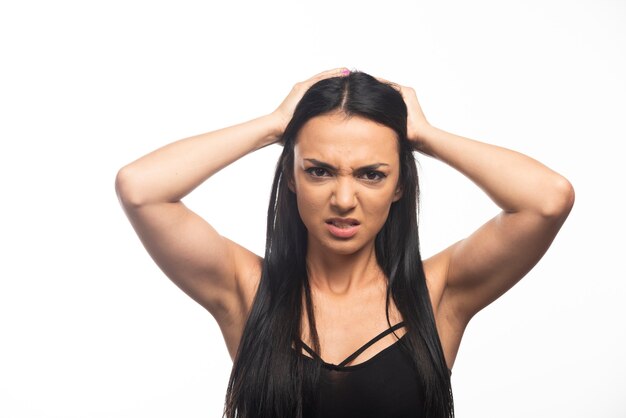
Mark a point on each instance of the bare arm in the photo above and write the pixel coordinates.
(216, 272)
(174, 170)
(535, 202)
(188, 250)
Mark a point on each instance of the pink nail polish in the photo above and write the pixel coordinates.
(345, 72)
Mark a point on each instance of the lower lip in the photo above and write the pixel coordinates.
(343, 232)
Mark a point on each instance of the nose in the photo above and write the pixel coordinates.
(344, 194)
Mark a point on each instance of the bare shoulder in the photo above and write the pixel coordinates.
(232, 319)
(449, 325)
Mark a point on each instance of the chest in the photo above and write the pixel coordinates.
(343, 327)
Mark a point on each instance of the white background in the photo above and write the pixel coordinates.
(90, 327)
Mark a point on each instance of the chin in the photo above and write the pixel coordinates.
(347, 247)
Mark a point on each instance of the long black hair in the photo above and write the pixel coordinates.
(267, 379)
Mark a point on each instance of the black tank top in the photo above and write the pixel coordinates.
(385, 385)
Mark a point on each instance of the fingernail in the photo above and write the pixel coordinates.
(345, 71)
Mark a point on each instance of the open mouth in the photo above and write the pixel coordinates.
(343, 228)
(342, 223)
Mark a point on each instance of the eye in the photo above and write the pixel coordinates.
(317, 172)
(373, 175)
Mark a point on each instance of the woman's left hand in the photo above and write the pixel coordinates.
(417, 125)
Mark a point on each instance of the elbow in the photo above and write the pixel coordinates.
(124, 189)
(560, 201)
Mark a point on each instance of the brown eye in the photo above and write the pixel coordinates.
(373, 175)
(317, 171)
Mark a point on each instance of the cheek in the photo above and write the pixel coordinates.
(376, 207)
(311, 203)
(378, 210)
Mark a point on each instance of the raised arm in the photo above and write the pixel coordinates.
(216, 272)
(535, 201)
(188, 250)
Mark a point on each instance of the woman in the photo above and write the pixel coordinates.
(342, 261)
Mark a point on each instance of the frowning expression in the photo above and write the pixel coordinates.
(346, 172)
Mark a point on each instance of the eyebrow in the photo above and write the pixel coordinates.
(322, 164)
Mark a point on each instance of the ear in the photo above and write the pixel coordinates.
(397, 194)
(291, 186)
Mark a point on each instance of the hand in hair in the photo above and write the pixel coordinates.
(417, 124)
(284, 112)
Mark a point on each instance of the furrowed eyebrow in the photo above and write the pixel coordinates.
(330, 167)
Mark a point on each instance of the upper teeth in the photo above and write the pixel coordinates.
(342, 224)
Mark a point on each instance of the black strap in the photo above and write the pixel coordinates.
(359, 351)
(368, 344)
(310, 351)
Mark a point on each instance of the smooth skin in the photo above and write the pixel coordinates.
(347, 285)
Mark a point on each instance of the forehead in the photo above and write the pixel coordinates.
(346, 139)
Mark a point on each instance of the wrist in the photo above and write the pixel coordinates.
(273, 128)
(423, 137)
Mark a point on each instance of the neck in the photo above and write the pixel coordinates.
(342, 274)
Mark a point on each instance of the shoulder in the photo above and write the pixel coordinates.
(436, 271)
(249, 267)
(233, 316)
(450, 325)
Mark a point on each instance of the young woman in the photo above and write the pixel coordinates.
(342, 317)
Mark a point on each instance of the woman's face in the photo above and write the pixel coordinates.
(346, 173)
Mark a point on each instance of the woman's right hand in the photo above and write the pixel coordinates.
(284, 112)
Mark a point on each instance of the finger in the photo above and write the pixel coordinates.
(335, 72)
(391, 83)
(382, 80)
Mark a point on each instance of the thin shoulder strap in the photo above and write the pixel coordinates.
(310, 350)
(372, 341)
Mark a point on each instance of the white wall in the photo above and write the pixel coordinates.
(90, 327)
